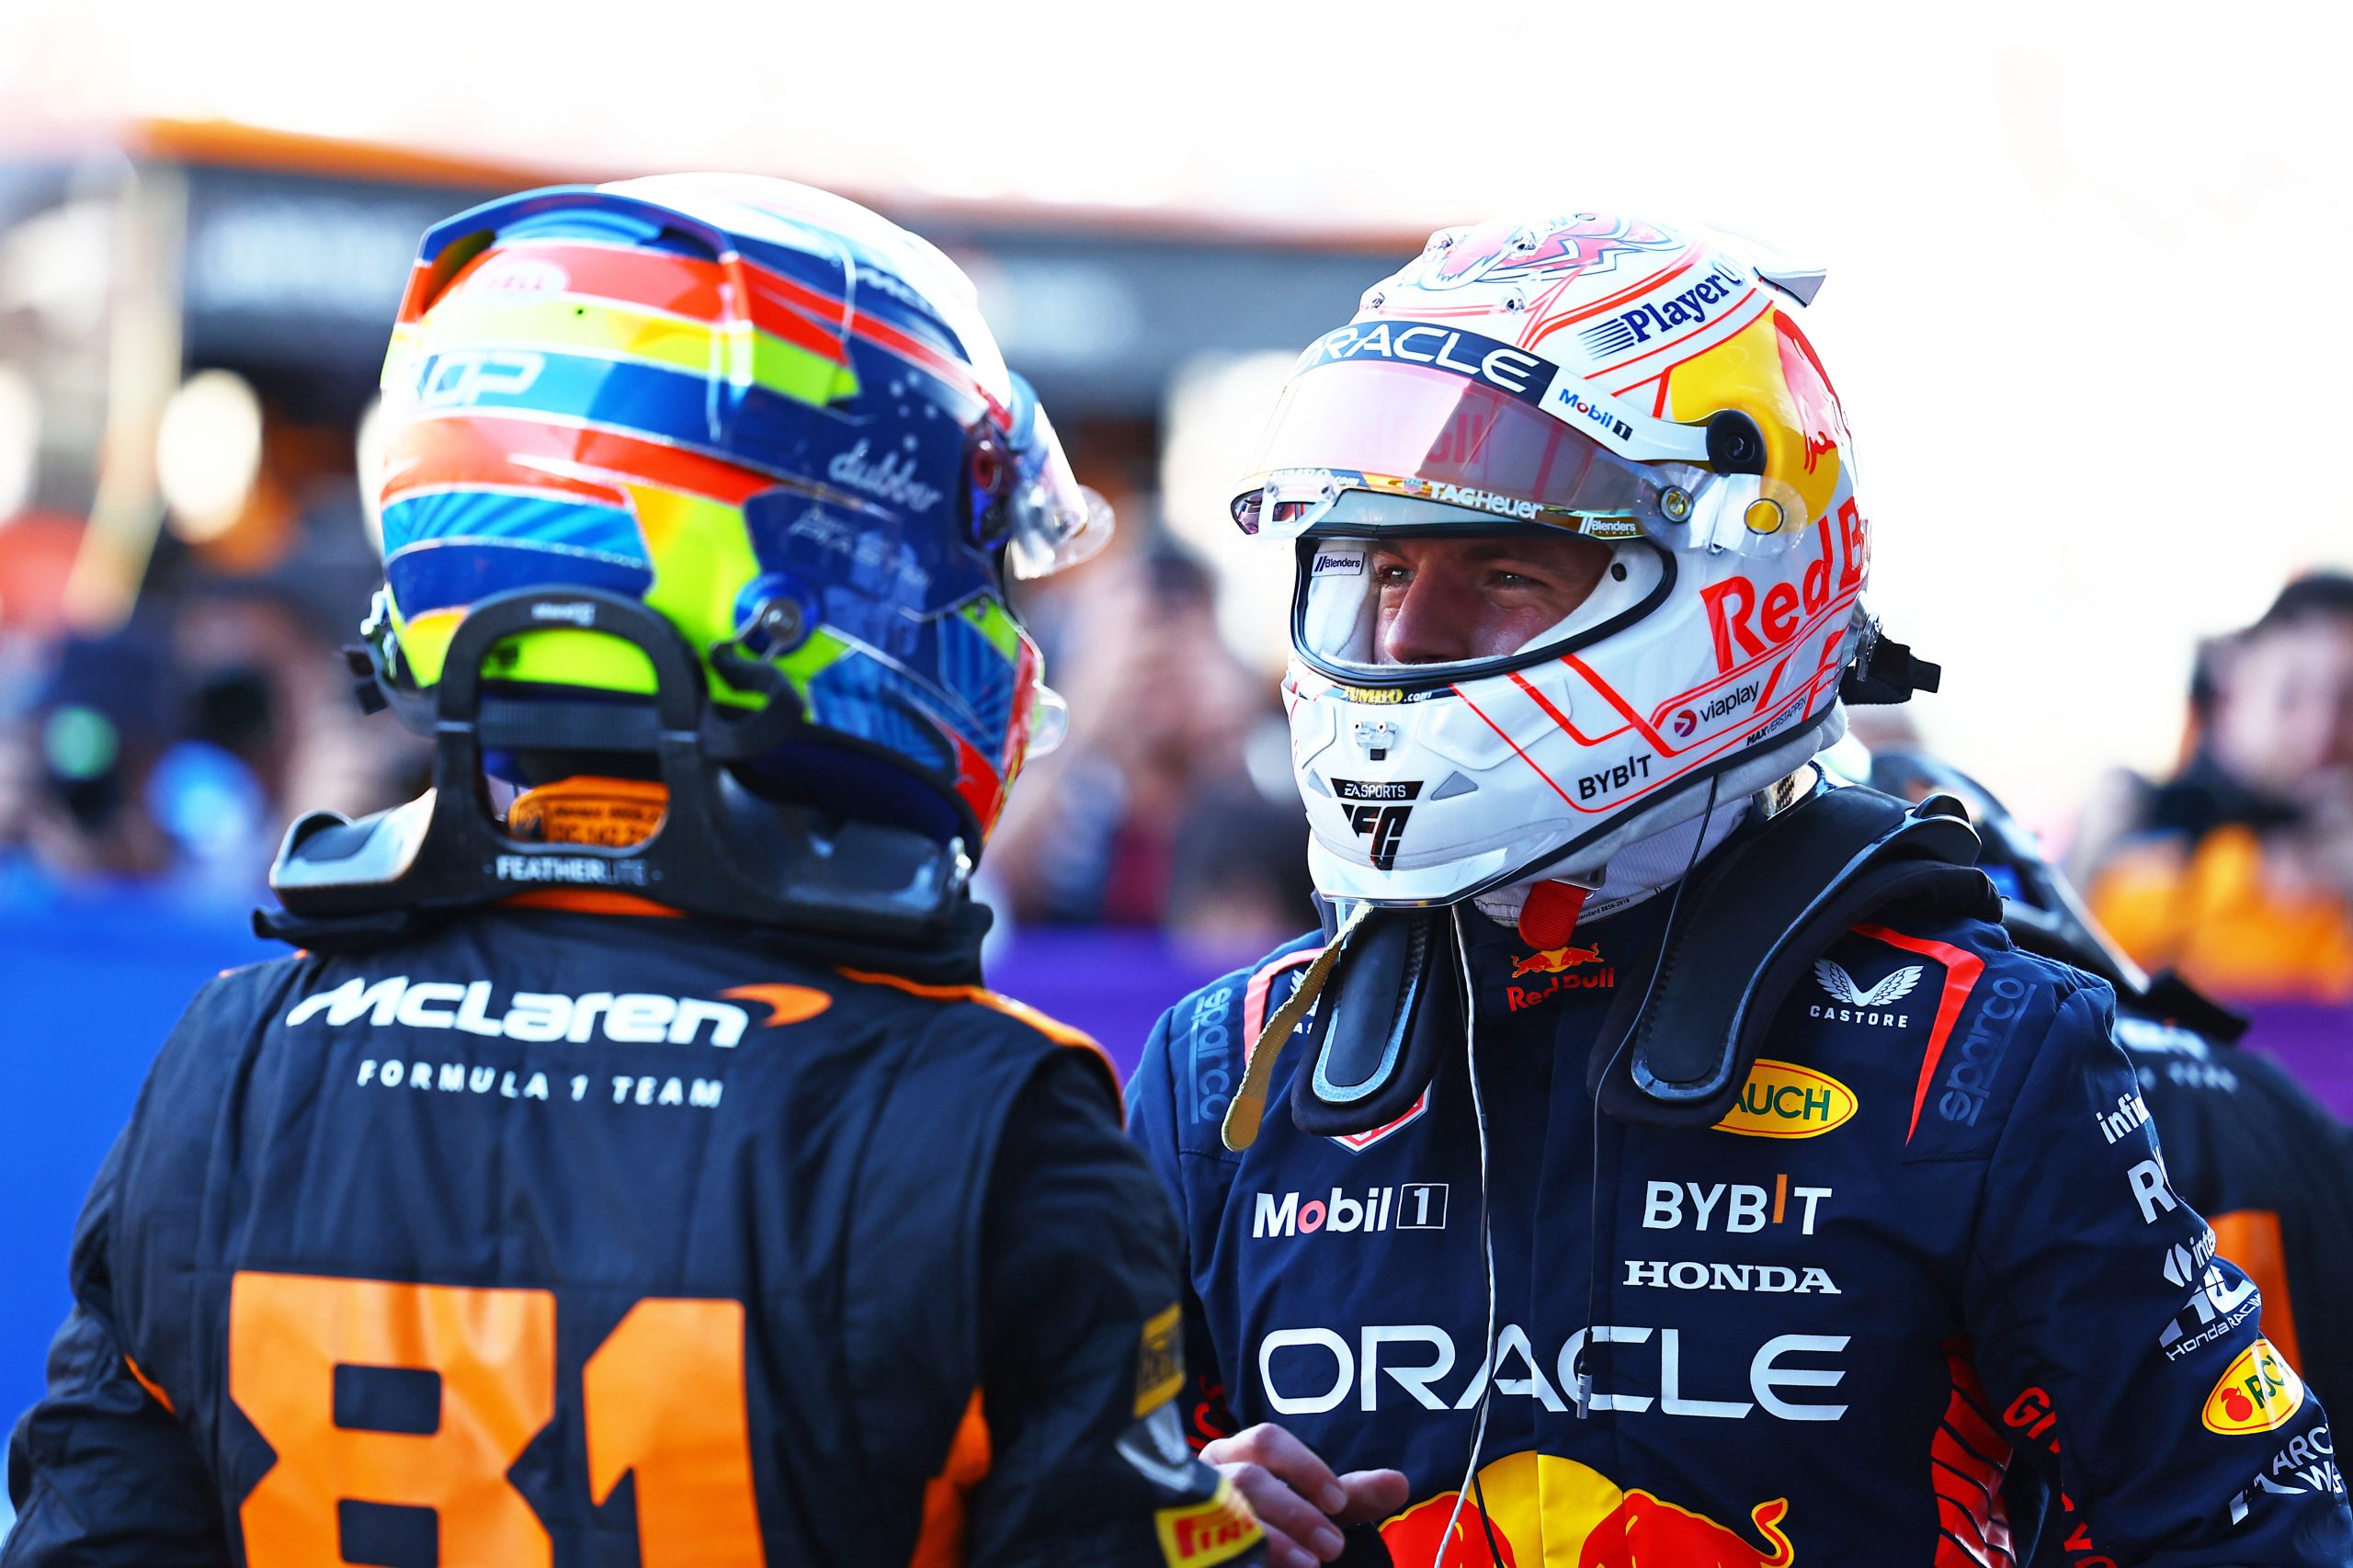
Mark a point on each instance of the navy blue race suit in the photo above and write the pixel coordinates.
(1935, 1240)
(560, 1238)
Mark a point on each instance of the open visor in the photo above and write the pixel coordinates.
(1430, 434)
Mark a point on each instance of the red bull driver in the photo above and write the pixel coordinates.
(1663, 1156)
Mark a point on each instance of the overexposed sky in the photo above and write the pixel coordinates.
(2085, 258)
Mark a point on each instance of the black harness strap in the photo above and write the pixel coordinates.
(1755, 923)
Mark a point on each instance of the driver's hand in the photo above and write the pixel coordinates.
(1299, 1502)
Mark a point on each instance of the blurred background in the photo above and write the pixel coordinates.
(2081, 312)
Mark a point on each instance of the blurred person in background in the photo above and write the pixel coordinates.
(1661, 1156)
(1238, 882)
(631, 1110)
(78, 763)
(2238, 871)
(1160, 713)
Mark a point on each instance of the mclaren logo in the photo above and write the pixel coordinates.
(629, 1017)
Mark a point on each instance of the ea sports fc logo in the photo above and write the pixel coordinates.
(1782, 1099)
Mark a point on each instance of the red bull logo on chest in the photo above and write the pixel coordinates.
(1543, 1509)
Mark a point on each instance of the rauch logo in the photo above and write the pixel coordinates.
(1782, 1099)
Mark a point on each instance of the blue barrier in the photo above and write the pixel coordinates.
(91, 984)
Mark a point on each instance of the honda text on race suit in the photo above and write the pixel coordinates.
(1934, 1240)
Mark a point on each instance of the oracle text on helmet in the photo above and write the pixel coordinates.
(1465, 354)
(1746, 626)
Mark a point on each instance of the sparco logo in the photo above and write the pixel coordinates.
(1638, 325)
(1306, 1371)
(887, 478)
(1212, 1055)
(631, 1017)
(588, 869)
(1465, 354)
(1412, 1206)
(1982, 1050)
(1772, 1278)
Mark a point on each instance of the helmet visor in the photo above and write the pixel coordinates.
(1053, 520)
(1429, 433)
(1413, 607)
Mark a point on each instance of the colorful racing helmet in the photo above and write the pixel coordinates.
(774, 417)
(1647, 390)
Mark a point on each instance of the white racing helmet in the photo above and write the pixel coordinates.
(1647, 388)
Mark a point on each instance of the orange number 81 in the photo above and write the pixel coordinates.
(663, 1397)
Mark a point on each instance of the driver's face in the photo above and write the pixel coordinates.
(1443, 600)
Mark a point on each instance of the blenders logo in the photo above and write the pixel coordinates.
(1337, 563)
(1692, 306)
(1510, 371)
(1375, 813)
(1410, 1206)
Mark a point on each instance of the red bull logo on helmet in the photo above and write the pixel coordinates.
(1543, 1509)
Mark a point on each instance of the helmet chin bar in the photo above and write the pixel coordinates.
(719, 851)
(1586, 858)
